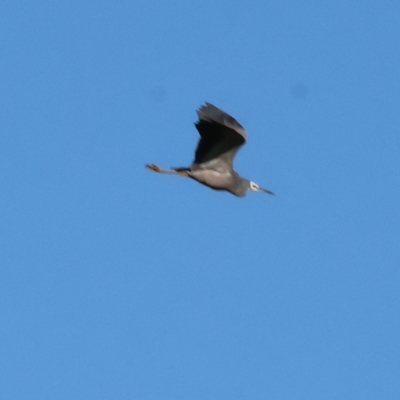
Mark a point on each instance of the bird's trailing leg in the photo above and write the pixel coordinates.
(156, 168)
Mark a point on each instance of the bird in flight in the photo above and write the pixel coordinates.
(221, 136)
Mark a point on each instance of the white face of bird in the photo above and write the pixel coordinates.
(256, 188)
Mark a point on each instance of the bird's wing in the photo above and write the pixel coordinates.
(220, 136)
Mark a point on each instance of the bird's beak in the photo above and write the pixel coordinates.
(260, 189)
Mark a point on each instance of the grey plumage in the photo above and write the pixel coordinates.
(221, 136)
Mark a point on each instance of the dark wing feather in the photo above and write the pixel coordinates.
(221, 135)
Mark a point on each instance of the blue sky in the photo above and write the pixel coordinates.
(119, 283)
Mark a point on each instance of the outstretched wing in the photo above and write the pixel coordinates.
(220, 136)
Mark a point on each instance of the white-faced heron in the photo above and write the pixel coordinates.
(221, 136)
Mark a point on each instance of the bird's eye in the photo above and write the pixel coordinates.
(254, 186)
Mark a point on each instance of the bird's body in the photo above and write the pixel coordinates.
(218, 180)
(221, 136)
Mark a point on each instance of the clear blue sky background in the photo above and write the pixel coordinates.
(119, 283)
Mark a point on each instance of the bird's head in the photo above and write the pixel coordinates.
(256, 188)
(245, 185)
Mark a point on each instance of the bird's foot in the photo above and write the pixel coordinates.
(154, 167)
